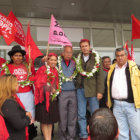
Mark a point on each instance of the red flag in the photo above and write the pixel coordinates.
(35, 52)
(126, 47)
(19, 36)
(7, 29)
(135, 28)
(132, 53)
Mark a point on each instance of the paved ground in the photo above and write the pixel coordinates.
(56, 136)
(39, 135)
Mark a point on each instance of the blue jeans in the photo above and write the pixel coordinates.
(82, 103)
(128, 118)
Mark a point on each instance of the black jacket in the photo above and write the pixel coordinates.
(15, 119)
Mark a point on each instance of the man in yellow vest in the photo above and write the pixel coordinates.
(123, 85)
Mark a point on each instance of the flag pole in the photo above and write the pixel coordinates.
(132, 49)
(30, 63)
(48, 46)
(131, 39)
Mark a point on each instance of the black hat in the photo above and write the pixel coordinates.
(16, 49)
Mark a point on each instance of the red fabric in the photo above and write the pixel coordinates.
(20, 103)
(47, 100)
(67, 62)
(2, 61)
(19, 36)
(89, 138)
(41, 79)
(35, 52)
(106, 69)
(7, 29)
(126, 47)
(21, 74)
(84, 40)
(135, 28)
(52, 54)
(4, 135)
(0, 32)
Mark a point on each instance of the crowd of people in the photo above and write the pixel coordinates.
(64, 89)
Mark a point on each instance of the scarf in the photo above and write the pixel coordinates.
(106, 69)
(41, 80)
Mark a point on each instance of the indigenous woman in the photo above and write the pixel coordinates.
(12, 110)
(46, 90)
(17, 66)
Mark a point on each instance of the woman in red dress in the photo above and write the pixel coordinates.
(46, 91)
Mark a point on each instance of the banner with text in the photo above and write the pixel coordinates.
(57, 35)
(7, 29)
(19, 36)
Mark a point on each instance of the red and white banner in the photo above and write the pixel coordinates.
(19, 36)
(126, 47)
(7, 29)
(57, 35)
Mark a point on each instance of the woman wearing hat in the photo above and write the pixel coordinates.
(46, 89)
(17, 66)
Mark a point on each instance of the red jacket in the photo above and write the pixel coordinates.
(4, 135)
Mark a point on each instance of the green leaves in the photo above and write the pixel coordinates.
(24, 83)
(95, 67)
(62, 77)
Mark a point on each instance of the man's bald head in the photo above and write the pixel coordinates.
(67, 52)
(67, 47)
